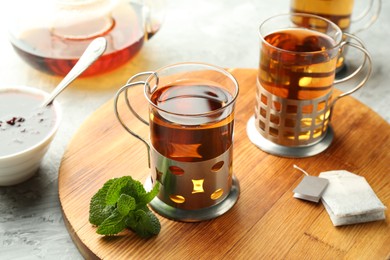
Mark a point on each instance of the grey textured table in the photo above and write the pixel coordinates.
(223, 33)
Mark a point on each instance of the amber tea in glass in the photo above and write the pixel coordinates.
(296, 77)
(337, 11)
(191, 121)
(197, 141)
(340, 13)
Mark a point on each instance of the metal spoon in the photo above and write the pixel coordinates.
(94, 50)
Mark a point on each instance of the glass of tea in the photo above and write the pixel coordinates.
(51, 35)
(191, 121)
(340, 12)
(295, 84)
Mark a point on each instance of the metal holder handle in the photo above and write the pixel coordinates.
(131, 83)
(367, 57)
(373, 18)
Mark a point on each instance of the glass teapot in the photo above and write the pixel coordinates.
(51, 35)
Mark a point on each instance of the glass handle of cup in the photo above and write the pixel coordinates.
(374, 8)
(153, 13)
(125, 88)
(367, 59)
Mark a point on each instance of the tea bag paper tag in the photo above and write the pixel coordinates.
(310, 188)
(349, 199)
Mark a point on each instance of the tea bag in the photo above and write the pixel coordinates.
(310, 188)
(349, 199)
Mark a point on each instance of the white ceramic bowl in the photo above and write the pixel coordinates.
(19, 166)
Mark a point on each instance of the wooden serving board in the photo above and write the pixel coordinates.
(266, 222)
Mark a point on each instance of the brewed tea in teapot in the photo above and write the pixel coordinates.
(55, 34)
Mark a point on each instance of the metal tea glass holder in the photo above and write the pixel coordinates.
(271, 123)
(189, 191)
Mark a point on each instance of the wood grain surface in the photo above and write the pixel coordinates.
(267, 222)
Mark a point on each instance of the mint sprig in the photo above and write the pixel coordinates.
(122, 203)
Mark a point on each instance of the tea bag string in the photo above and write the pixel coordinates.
(300, 169)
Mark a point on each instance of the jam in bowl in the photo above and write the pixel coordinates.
(26, 131)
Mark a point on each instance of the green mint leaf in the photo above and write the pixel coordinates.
(98, 211)
(100, 214)
(135, 189)
(122, 202)
(130, 220)
(148, 197)
(115, 189)
(114, 224)
(125, 204)
(153, 224)
(147, 224)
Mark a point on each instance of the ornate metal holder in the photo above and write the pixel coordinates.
(291, 128)
(193, 191)
(285, 151)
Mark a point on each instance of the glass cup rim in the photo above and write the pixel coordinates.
(206, 65)
(337, 28)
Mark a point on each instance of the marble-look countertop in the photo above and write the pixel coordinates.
(223, 33)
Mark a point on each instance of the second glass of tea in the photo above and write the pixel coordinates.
(191, 120)
(295, 84)
(341, 12)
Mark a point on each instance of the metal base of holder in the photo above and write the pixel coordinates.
(195, 215)
(286, 151)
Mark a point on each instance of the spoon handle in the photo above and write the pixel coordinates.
(94, 50)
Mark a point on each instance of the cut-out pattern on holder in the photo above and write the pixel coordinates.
(197, 186)
(292, 122)
(193, 185)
